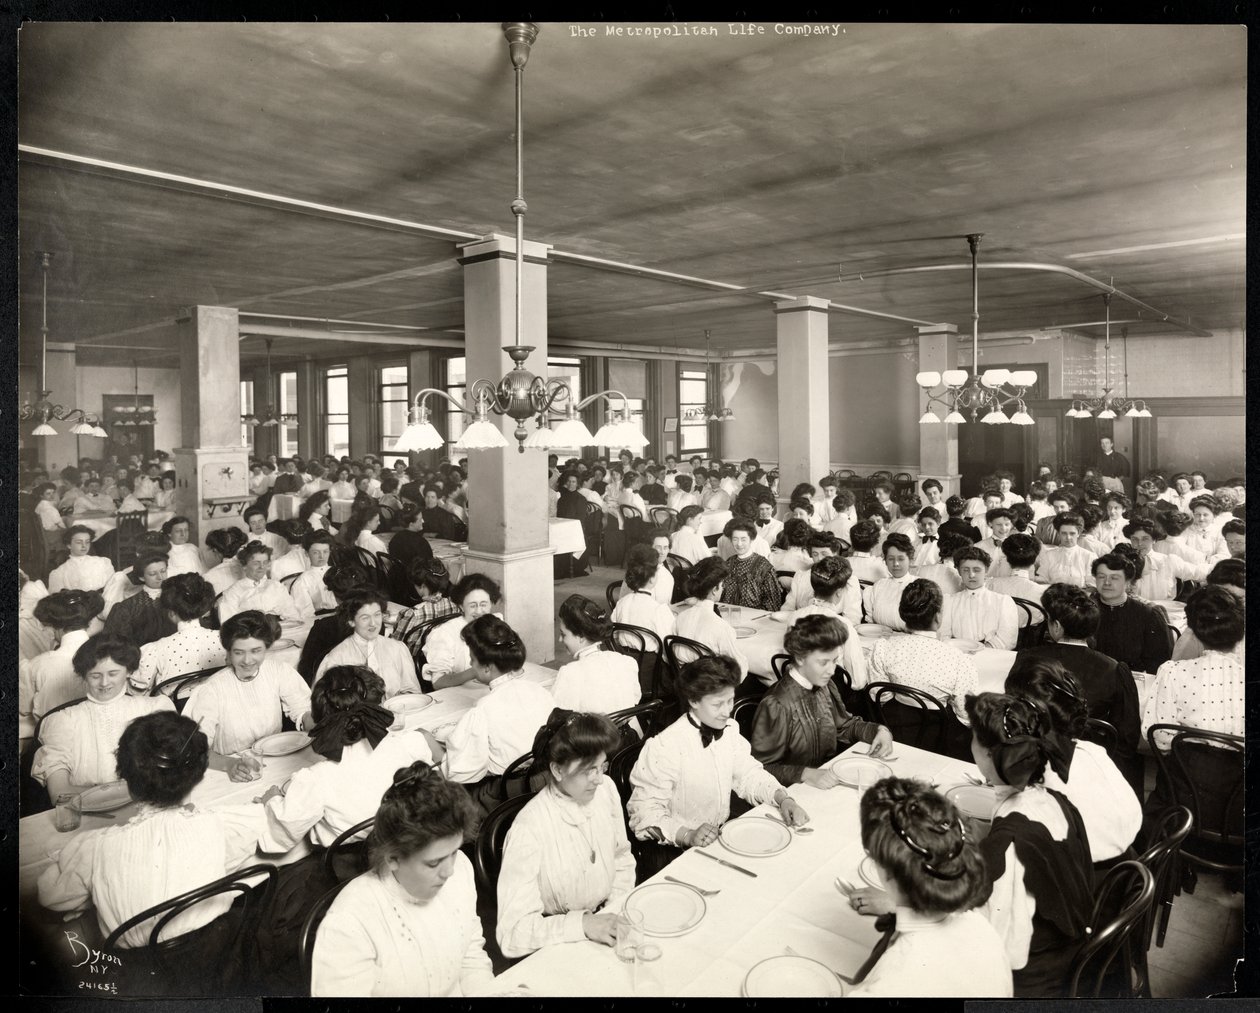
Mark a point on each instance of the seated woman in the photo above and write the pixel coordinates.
(1111, 529)
(48, 680)
(317, 483)
(791, 548)
(360, 754)
(501, 726)
(328, 631)
(1094, 784)
(1037, 850)
(429, 597)
(882, 599)
(141, 618)
(596, 680)
(935, 883)
(239, 705)
(638, 605)
(81, 571)
(362, 612)
(164, 498)
(687, 540)
(447, 660)
(802, 723)
(222, 545)
(259, 531)
(344, 487)
(976, 613)
(750, 580)
(1230, 574)
(830, 583)
(682, 791)
(77, 744)
(256, 590)
(567, 865)
(309, 592)
(168, 848)
(358, 530)
(315, 511)
(184, 556)
(294, 532)
(705, 583)
(186, 599)
(409, 542)
(1066, 562)
(409, 927)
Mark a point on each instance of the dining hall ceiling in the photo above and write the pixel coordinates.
(782, 164)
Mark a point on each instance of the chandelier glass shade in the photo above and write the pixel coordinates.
(270, 417)
(712, 410)
(1108, 405)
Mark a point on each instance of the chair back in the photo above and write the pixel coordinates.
(845, 474)
(664, 517)
(778, 665)
(367, 560)
(348, 850)
(679, 651)
(644, 713)
(132, 526)
(785, 578)
(391, 576)
(1204, 772)
(643, 645)
(166, 953)
(488, 849)
(516, 780)
(620, 766)
(611, 593)
(1106, 961)
(178, 687)
(593, 529)
(288, 581)
(415, 637)
(913, 716)
(862, 586)
(310, 929)
(1032, 631)
(389, 517)
(1162, 861)
(743, 713)
(1101, 733)
(629, 513)
(843, 547)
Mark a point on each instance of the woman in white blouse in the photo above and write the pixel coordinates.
(687, 540)
(164, 497)
(186, 599)
(358, 530)
(184, 556)
(1111, 530)
(934, 880)
(567, 865)
(447, 661)
(82, 571)
(77, 744)
(363, 613)
(684, 776)
(343, 488)
(315, 512)
(293, 531)
(48, 680)
(360, 755)
(222, 545)
(705, 583)
(1111, 811)
(239, 705)
(255, 590)
(596, 680)
(639, 607)
(168, 848)
(409, 927)
(256, 522)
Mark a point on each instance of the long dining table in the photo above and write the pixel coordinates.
(791, 902)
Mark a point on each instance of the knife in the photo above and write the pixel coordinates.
(723, 861)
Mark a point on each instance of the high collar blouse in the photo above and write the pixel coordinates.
(81, 740)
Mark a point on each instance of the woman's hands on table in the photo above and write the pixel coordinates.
(275, 791)
(792, 812)
(243, 768)
(869, 901)
(600, 928)
(820, 777)
(698, 837)
(882, 744)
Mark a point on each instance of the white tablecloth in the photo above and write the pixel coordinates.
(283, 506)
(792, 902)
(564, 535)
(340, 510)
(713, 522)
(100, 524)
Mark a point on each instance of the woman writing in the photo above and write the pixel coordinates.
(802, 722)
(409, 927)
(567, 864)
(363, 612)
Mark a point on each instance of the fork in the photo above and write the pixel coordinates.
(843, 977)
(780, 819)
(699, 890)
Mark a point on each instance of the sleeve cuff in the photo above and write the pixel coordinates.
(573, 931)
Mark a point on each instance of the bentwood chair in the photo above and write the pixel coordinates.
(593, 529)
(1105, 965)
(1101, 733)
(178, 687)
(487, 861)
(184, 959)
(611, 593)
(744, 712)
(644, 646)
(664, 517)
(644, 714)
(1032, 630)
(862, 586)
(918, 719)
(289, 581)
(1162, 860)
(310, 929)
(347, 857)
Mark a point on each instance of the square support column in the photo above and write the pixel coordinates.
(938, 445)
(507, 524)
(210, 462)
(804, 397)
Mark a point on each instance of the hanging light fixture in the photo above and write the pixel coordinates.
(521, 395)
(712, 410)
(992, 391)
(43, 410)
(270, 417)
(134, 414)
(1107, 405)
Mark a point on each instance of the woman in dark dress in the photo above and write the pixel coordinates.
(330, 630)
(570, 506)
(409, 542)
(140, 618)
(1037, 851)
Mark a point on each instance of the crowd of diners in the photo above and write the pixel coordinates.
(997, 915)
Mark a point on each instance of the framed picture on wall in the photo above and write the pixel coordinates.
(671, 423)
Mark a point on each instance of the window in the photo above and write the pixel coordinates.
(247, 408)
(337, 411)
(693, 395)
(287, 431)
(393, 403)
(456, 380)
(570, 371)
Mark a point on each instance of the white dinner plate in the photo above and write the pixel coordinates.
(870, 874)
(668, 909)
(873, 630)
(282, 643)
(974, 800)
(755, 836)
(407, 703)
(968, 646)
(791, 976)
(282, 743)
(744, 632)
(105, 798)
(848, 767)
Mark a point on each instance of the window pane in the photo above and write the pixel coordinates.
(288, 393)
(393, 420)
(394, 374)
(288, 440)
(455, 371)
(247, 406)
(693, 437)
(391, 459)
(336, 401)
(338, 439)
(692, 391)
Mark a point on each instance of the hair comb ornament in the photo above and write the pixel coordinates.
(942, 827)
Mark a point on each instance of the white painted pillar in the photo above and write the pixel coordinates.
(804, 396)
(938, 445)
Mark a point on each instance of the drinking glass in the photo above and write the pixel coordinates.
(254, 758)
(734, 614)
(68, 813)
(629, 935)
(864, 779)
(648, 980)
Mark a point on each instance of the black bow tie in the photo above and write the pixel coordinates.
(762, 524)
(929, 538)
(707, 734)
(887, 924)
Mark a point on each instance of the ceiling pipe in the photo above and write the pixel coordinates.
(271, 330)
(355, 323)
(1102, 286)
